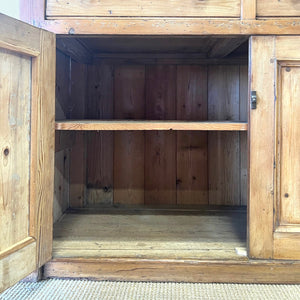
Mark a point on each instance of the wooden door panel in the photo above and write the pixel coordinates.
(27, 61)
(15, 113)
(288, 141)
(274, 184)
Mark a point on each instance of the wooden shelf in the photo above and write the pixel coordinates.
(150, 125)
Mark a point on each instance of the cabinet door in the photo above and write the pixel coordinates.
(274, 181)
(27, 74)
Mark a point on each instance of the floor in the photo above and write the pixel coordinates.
(214, 234)
(55, 289)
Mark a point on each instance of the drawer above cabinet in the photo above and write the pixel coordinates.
(59, 9)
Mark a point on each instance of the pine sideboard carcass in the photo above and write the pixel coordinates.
(151, 141)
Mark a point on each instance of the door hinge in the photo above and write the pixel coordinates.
(253, 100)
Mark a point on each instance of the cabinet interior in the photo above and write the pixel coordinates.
(151, 192)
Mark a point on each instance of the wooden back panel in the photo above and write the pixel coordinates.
(168, 167)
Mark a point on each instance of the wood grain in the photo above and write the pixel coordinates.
(287, 245)
(100, 144)
(142, 8)
(244, 135)
(229, 271)
(76, 107)
(160, 146)
(191, 157)
(248, 9)
(25, 41)
(107, 125)
(62, 86)
(289, 146)
(17, 265)
(174, 26)
(223, 147)
(15, 140)
(129, 166)
(287, 48)
(61, 183)
(171, 235)
(269, 8)
(42, 148)
(77, 90)
(77, 188)
(63, 140)
(261, 148)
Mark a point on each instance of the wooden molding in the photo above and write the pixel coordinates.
(172, 26)
(175, 270)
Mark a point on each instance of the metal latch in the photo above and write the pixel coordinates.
(253, 100)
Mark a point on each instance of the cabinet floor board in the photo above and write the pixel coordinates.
(204, 235)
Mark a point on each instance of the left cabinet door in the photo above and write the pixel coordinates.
(27, 99)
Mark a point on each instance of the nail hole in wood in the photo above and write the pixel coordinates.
(288, 69)
(6, 151)
(286, 195)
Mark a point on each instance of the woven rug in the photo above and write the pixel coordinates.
(54, 289)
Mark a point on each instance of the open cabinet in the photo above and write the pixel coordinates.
(167, 166)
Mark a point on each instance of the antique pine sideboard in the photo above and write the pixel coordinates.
(152, 140)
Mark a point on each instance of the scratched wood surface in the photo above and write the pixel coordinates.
(15, 147)
(142, 8)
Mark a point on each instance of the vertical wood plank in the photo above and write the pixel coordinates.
(100, 144)
(261, 148)
(42, 150)
(248, 9)
(160, 147)
(76, 107)
(192, 177)
(243, 135)
(129, 103)
(223, 147)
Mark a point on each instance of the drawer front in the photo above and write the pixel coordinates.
(283, 8)
(58, 9)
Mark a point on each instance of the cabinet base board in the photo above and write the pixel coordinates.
(285, 272)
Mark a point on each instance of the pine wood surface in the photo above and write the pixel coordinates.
(173, 26)
(142, 8)
(289, 146)
(15, 145)
(122, 125)
(202, 235)
(191, 156)
(27, 143)
(230, 271)
(17, 265)
(269, 8)
(261, 148)
(42, 148)
(129, 147)
(100, 149)
(116, 163)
